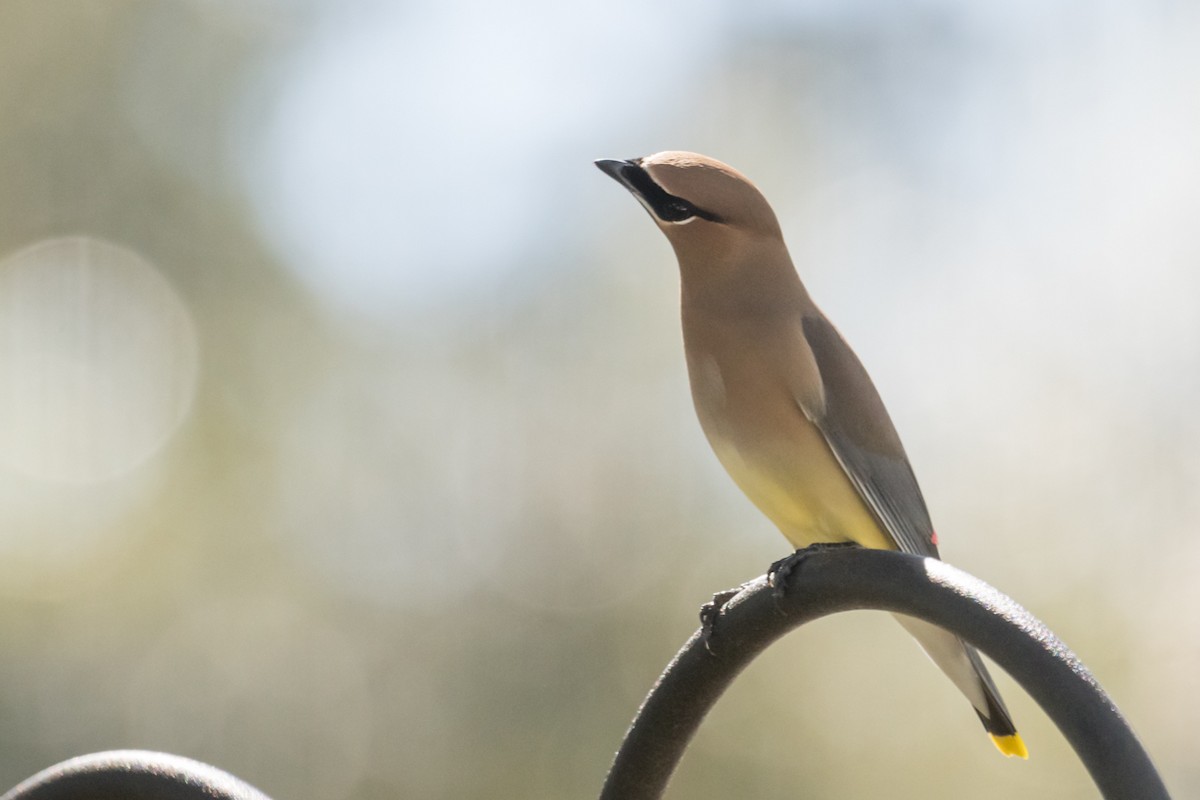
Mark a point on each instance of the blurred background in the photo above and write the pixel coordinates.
(345, 441)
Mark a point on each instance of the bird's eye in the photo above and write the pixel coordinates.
(681, 212)
(677, 210)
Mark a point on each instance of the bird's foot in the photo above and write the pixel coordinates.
(710, 611)
(779, 572)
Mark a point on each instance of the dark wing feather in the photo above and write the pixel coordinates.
(861, 435)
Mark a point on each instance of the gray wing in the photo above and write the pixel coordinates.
(860, 433)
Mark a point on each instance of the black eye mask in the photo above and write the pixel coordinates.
(663, 205)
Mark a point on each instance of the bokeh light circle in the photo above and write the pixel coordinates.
(98, 360)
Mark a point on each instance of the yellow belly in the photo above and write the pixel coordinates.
(798, 483)
(748, 409)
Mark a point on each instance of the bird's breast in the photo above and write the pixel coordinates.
(746, 403)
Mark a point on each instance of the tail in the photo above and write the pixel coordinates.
(962, 664)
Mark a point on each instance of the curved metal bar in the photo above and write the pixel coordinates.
(133, 775)
(829, 581)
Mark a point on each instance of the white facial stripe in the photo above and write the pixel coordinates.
(645, 205)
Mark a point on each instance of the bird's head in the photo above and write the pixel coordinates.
(695, 198)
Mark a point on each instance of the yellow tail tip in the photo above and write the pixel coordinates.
(1010, 745)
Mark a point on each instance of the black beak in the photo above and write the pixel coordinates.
(622, 172)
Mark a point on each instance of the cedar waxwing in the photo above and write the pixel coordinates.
(786, 405)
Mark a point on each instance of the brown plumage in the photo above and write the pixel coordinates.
(786, 405)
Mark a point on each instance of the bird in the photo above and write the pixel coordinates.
(785, 404)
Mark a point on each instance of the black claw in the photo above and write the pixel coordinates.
(709, 612)
(779, 572)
